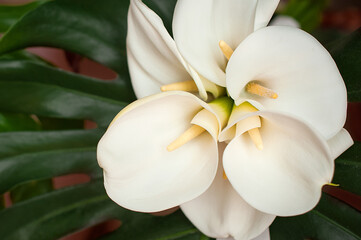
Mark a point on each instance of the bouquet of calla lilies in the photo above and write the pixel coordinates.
(237, 122)
(180, 120)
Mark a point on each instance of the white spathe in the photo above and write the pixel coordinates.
(139, 173)
(153, 57)
(286, 177)
(199, 25)
(264, 236)
(148, 40)
(299, 69)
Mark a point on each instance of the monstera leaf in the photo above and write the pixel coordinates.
(11, 14)
(31, 88)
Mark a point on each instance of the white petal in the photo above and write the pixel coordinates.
(282, 20)
(340, 143)
(298, 68)
(201, 83)
(199, 25)
(264, 12)
(264, 236)
(221, 213)
(139, 173)
(286, 177)
(208, 121)
(153, 58)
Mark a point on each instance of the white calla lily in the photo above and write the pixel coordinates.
(139, 172)
(286, 177)
(281, 125)
(149, 42)
(200, 25)
(148, 39)
(295, 66)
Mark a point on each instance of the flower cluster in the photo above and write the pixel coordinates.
(246, 128)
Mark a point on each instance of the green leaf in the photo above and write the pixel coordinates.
(94, 30)
(11, 14)
(22, 168)
(346, 53)
(30, 71)
(55, 214)
(27, 156)
(348, 169)
(2, 202)
(16, 143)
(174, 226)
(30, 190)
(61, 212)
(331, 219)
(24, 55)
(307, 12)
(48, 123)
(17, 122)
(53, 101)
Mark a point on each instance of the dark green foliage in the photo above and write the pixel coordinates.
(330, 220)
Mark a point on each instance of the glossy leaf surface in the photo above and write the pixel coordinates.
(54, 214)
(30, 189)
(54, 101)
(11, 14)
(331, 219)
(30, 71)
(94, 30)
(27, 156)
(17, 122)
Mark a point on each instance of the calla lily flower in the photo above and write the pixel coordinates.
(232, 162)
(285, 178)
(150, 177)
(145, 176)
